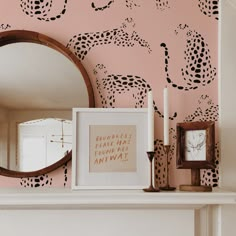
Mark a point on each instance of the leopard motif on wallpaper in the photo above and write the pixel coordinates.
(123, 36)
(198, 70)
(65, 169)
(110, 86)
(206, 111)
(211, 177)
(162, 5)
(37, 181)
(41, 9)
(209, 8)
(43, 180)
(5, 26)
(131, 4)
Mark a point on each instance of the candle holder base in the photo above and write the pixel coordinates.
(151, 188)
(167, 188)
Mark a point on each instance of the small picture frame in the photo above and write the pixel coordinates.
(109, 148)
(195, 145)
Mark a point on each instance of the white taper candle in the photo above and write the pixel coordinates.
(166, 116)
(150, 123)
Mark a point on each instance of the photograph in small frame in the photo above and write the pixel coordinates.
(195, 145)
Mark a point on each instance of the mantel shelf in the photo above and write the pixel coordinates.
(67, 199)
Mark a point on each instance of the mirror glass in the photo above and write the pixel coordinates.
(39, 86)
(52, 137)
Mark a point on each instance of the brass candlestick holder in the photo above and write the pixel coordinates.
(151, 188)
(167, 187)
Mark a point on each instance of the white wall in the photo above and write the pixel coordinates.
(228, 96)
(228, 111)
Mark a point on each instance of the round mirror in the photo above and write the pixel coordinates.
(40, 82)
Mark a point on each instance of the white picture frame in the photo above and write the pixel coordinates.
(88, 123)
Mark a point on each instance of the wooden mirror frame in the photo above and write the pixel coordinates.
(14, 36)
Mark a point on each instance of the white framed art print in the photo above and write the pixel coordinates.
(109, 148)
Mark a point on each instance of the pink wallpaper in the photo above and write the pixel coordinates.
(129, 47)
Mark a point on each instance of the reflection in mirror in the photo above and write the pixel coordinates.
(52, 138)
(38, 78)
(38, 84)
(34, 76)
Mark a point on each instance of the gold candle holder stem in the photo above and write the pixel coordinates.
(151, 188)
(167, 187)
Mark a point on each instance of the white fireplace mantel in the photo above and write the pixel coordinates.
(113, 212)
(67, 199)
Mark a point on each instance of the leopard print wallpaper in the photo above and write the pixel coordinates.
(124, 36)
(198, 69)
(160, 4)
(5, 27)
(112, 86)
(129, 47)
(41, 9)
(209, 8)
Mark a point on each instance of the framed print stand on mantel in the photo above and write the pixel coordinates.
(109, 148)
(195, 151)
